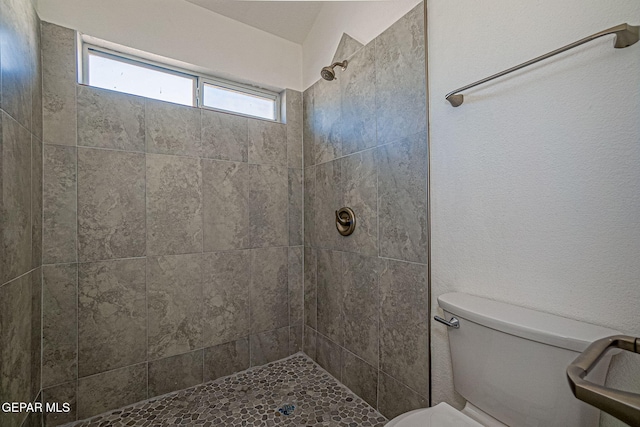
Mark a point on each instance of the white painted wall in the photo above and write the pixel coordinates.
(362, 20)
(536, 178)
(186, 32)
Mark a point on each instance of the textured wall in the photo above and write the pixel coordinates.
(172, 241)
(366, 295)
(20, 206)
(535, 178)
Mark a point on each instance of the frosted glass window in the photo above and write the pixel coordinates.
(235, 101)
(142, 80)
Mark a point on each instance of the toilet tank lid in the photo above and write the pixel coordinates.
(523, 322)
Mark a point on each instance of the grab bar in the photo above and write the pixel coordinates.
(621, 404)
(626, 35)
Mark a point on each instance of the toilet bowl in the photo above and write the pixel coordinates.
(441, 415)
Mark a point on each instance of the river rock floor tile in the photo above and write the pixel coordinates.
(290, 392)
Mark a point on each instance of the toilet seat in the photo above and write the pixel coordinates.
(441, 415)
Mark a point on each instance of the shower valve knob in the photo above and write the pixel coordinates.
(345, 221)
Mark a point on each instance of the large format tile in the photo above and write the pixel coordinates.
(15, 199)
(225, 192)
(59, 226)
(268, 291)
(18, 22)
(111, 204)
(309, 190)
(404, 335)
(296, 342)
(310, 288)
(329, 356)
(175, 304)
(174, 205)
(226, 359)
(269, 346)
(358, 87)
(111, 390)
(361, 306)
(15, 346)
(308, 128)
(360, 192)
(346, 48)
(172, 129)
(267, 143)
(36, 202)
(175, 373)
(402, 199)
(35, 277)
(268, 204)
(327, 120)
(58, 84)
(394, 398)
(36, 86)
(330, 295)
(400, 78)
(109, 119)
(294, 128)
(327, 199)
(112, 315)
(61, 394)
(360, 377)
(296, 200)
(226, 296)
(225, 136)
(296, 286)
(59, 324)
(309, 344)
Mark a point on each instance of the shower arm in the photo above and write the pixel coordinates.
(626, 35)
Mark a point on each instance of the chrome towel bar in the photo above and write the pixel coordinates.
(626, 35)
(621, 404)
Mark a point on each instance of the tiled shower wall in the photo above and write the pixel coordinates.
(20, 206)
(366, 295)
(172, 241)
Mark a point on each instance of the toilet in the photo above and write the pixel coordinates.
(510, 363)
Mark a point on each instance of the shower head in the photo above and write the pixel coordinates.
(328, 73)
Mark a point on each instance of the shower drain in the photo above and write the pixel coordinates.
(286, 409)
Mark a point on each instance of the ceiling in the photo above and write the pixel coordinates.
(291, 20)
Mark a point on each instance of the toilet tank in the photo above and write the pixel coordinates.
(511, 362)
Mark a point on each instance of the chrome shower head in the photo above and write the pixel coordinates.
(328, 73)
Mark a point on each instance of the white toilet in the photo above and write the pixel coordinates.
(510, 363)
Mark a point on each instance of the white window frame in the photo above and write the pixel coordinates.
(199, 79)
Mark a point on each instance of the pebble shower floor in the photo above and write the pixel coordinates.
(259, 397)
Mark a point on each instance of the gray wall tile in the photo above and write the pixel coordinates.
(358, 88)
(361, 305)
(296, 200)
(111, 204)
(174, 205)
(267, 347)
(175, 373)
(60, 394)
(111, 390)
(172, 129)
(310, 288)
(225, 136)
(35, 277)
(15, 204)
(404, 335)
(360, 377)
(112, 315)
(327, 121)
(267, 143)
(225, 191)
(59, 324)
(327, 199)
(309, 342)
(59, 227)
(402, 204)
(346, 47)
(360, 192)
(394, 398)
(36, 202)
(226, 296)
(296, 286)
(58, 84)
(226, 359)
(294, 128)
(175, 304)
(400, 78)
(295, 338)
(109, 119)
(330, 294)
(329, 356)
(268, 204)
(36, 85)
(15, 346)
(308, 128)
(309, 190)
(268, 291)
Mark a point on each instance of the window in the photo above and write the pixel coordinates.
(107, 69)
